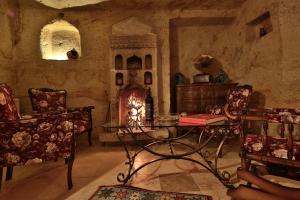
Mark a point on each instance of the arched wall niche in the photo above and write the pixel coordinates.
(60, 40)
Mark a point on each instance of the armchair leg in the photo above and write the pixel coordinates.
(91, 127)
(69, 175)
(90, 136)
(9, 173)
(1, 175)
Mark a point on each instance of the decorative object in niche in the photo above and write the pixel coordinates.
(119, 79)
(259, 27)
(57, 39)
(118, 62)
(262, 32)
(72, 54)
(148, 78)
(134, 62)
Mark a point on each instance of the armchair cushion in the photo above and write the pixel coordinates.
(8, 109)
(45, 99)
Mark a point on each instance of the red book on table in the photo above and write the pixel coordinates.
(201, 119)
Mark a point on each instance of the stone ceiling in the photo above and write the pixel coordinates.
(139, 4)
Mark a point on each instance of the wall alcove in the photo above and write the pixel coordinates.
(58, 39)
(119, 62)
(148, 61)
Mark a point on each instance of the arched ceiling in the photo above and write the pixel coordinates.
(171, 4)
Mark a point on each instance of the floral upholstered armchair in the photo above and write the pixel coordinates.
(35, 138)
(48, 100)
(238, 99)
(274, 149)
(277, 146)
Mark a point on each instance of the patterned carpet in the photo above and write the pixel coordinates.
(121, 192)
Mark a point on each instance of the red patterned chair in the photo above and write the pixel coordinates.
(278, 153)
(238, 99)
(48, 100)
(36, 138)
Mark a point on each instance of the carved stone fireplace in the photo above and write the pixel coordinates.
(133, 70)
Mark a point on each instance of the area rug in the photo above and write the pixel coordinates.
(122, 192)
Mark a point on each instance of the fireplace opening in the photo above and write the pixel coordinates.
(132, 106)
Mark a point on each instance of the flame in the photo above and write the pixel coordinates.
(136, 114)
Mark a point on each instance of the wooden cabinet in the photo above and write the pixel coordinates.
(195, 98)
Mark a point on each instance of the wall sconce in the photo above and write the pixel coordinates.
(148, 78)
(119, 79)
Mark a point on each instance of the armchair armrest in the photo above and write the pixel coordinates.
(80, 109)
(279, 115)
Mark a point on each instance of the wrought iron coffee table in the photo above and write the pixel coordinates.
(171, 141)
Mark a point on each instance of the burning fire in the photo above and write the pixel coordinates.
(136, 113)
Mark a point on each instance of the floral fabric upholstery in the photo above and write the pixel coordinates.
(215, 110)
(238, 99)
(84, 123)
(32, 140)
(284, 115)
(276, 147)
(8, 109)
(46, 99)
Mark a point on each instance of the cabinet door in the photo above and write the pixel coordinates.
(205, 95)
(185, 100)
(190, 107)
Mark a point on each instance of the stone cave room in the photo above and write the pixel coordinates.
(149, 99)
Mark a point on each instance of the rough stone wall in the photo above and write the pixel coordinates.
(194, 41)
(256, 62)
(7, 74)
(87, 79)
(289, 19)
(270, 63)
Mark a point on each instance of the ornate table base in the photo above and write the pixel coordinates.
(223, 176)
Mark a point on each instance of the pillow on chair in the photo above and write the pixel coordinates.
(45, 99)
